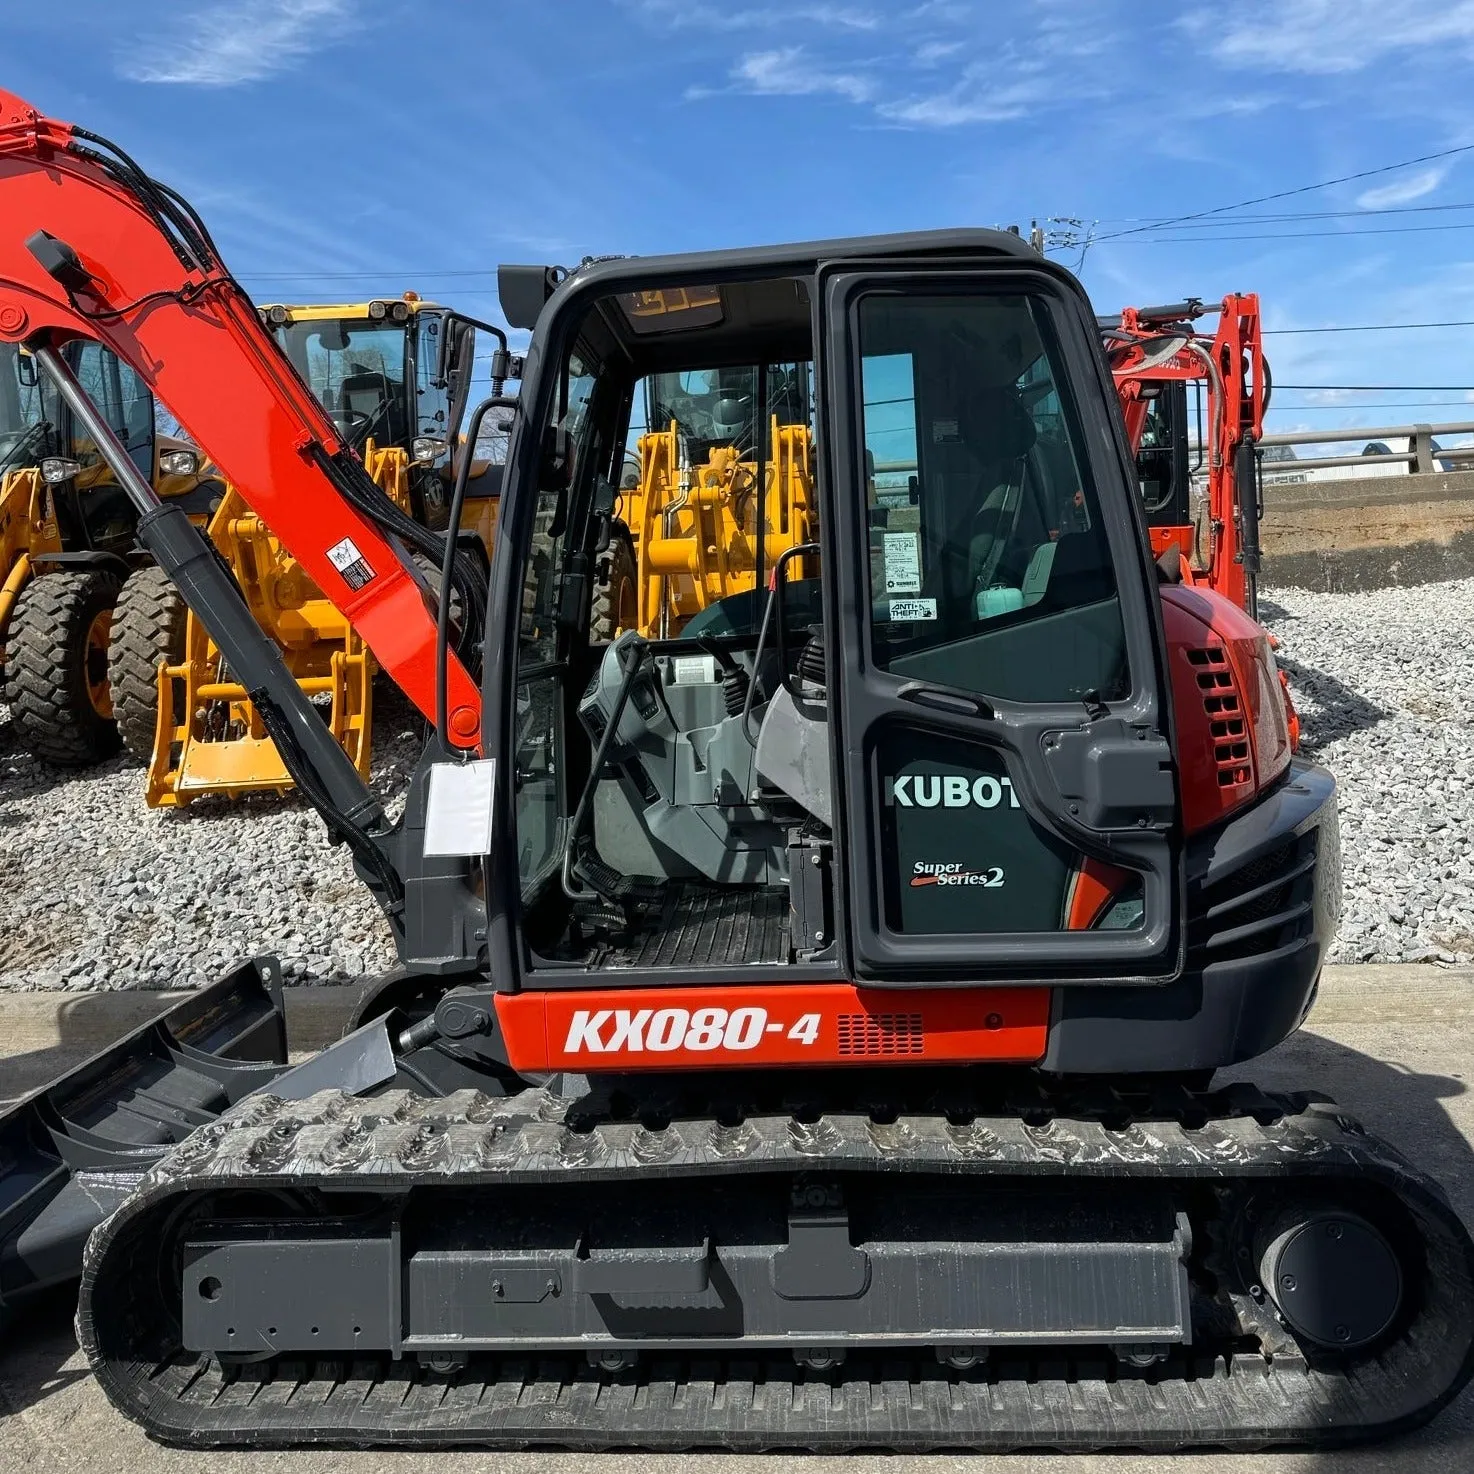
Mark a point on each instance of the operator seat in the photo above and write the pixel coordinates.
(375, 396)
(997, 435)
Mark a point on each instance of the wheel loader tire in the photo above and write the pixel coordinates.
(148, 627)
(56, 667)
(616, 588)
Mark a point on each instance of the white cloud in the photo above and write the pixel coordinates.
(237, 41)
(978, 75)
(697, 15)
(1323, 37)
(1402, 191)
(786, 72)
(976, 97)
(931, 52)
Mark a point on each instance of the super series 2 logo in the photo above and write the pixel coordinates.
(937, 872)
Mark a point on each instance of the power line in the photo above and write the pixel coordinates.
(1162, 220)
(1375, 327)
(1284, 194)
(1362, 404)
(1382, 388)
(1293, 235)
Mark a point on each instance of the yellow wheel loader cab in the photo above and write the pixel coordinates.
(68, 553)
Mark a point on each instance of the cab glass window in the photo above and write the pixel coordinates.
(125, 402)
(26, 410)
(989, 565)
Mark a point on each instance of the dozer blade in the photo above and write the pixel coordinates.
(73, 1150)
(997, 1266)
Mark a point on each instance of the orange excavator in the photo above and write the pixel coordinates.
(1155, 353)
(1211, 534)
(807, 1021)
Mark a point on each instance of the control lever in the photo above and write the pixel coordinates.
(631, 650)
(780, 622)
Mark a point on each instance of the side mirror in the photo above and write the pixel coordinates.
(25, 370)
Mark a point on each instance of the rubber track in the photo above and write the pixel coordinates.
(44, 684)
(148, 627)
(905, 1402)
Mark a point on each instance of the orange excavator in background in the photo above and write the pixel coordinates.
(807, 1019)
(1154, 354)
(1196, 461)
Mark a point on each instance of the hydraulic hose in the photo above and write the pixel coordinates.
(447, 569)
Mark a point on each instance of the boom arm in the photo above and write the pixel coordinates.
(1157, 345)
(90, 247)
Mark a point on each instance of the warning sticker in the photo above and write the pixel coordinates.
(944, 432)
(902, 551)
(905, 609)
(346, 558)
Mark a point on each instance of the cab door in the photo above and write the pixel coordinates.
(1008, 802)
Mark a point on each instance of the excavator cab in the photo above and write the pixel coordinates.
(1165, 457)
(932, 746)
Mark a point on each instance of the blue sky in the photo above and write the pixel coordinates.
(342, 148)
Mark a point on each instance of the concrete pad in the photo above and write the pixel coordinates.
(1395, 1045)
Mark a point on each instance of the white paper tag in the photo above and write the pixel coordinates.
(458, 808)
(909, 609)
(902, 563)
(693, 670)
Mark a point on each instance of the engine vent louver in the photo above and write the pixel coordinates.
(871, 1034)
(1225, 709)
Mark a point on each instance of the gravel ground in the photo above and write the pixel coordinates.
(96, 891)
(1376, 679)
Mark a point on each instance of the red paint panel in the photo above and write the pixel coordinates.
(675, 1028)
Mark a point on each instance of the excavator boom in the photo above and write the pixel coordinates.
(93, 248)
(1150, 348)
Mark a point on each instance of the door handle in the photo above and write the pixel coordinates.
(919, 693)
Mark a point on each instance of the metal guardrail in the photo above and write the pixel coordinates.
(1422, 459)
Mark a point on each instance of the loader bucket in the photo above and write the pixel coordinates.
(73, 1150)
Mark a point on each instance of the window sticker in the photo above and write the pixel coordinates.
(902, 552)
(909, 609)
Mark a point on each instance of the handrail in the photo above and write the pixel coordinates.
(1359, 432)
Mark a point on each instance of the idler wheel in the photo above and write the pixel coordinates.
(1334, 1278)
